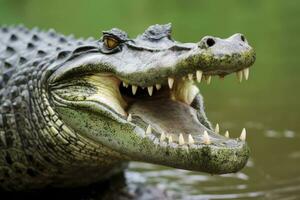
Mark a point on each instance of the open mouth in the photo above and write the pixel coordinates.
(174, 111)
(170, 113)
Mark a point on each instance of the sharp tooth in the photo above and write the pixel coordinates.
(227, 134)
(134, 89)
(239, 75)
(158, 86)
(125, 84)
(190, 76)
(129, 118)
(190, 139)
(199, 75)
(170, 82)
(246, 73)
(170, 139)
(206, 138)
(148, 130)
(162, 136)
(150, 90)
(217, 129)
(181, 139)
(208, 80)
(243, 135)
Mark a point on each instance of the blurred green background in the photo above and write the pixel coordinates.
(267, 105)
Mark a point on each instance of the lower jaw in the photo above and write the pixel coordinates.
(197, 157)
(219, 157)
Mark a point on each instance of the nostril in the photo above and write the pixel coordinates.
(207, 42)
(243, 38)
(210, 42)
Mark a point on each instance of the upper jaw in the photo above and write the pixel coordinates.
(223, 57)
(148, 68)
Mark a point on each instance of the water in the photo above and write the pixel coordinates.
(267, 105)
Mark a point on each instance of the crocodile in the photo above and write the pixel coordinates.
(75, 111)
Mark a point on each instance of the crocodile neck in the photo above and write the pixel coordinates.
(34, 141)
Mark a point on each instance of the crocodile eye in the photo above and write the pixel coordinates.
(110, 42)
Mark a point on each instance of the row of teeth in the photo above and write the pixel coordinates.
(244, 73)
(242, 136)
(190, 140)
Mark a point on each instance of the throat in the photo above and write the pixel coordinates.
(168, 116)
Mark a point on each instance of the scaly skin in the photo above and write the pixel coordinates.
(66, 121)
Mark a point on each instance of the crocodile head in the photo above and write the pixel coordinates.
(139, 97)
